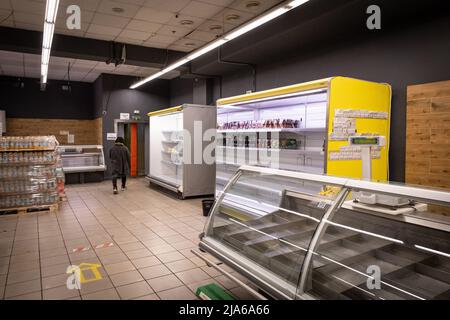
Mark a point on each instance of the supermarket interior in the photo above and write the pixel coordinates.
(224, 150)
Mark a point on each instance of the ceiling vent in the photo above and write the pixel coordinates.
(252, 4)
(232, 17)
(186, 22)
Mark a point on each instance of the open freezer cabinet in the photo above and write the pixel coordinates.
(182, 149)
(317, 239)
(304, 127)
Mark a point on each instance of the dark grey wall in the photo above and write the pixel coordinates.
(53, 103)
(113, 96)
(417, 54)
(181, 91)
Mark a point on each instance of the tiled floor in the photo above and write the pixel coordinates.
(151, 235)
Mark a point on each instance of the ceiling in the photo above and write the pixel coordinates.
(181, 25)
(26, 65)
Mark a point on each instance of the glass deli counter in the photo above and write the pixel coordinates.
(320, 237)
(83, 163)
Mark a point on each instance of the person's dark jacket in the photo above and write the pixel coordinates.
(120, 160)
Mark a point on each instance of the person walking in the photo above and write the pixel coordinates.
(120, 163)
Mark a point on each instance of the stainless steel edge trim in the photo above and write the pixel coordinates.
(163, 184)
(433, 196)
(208, 245)
(295, 174)
(229, 275)
(219, 200)
(316, 238)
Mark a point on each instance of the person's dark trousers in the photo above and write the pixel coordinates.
(124, 181)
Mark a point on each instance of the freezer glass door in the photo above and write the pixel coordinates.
(272, 223)
(383, 247)
(166, 148)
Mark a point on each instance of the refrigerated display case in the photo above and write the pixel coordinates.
(315, 239)
(83, 163)
(177, 146)
(304, 127)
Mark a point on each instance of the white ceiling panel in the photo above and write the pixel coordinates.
(153, 15)
(189, 43)
(26, 26)
(174, 31)
(99, 36)
(29, 18)
(201, 9)
(178, 21)
(222, 3)
(29, 6)
(202, 36)
(173, 6)
(5, 13)
(136, 35)
(162, 39)
(136, 2)
(110, 20)
(103, 30)
(108, 6)
(5, 4)
(232, 16)
(85, 5)
(181, 48)
(128, 41)
(145, 26)
(152, 44)
(253, 6)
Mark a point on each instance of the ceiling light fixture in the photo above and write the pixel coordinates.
(51, 10)
(186, 22)
(232, 17)
(252, 4)
(252, 24)
(215, 27)
(118, 10)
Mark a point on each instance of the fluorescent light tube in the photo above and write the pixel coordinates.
(45, 56)
(296, 3)
(44, 73)
(49, 29)
(207, 48)
(174, 65)
(51, 10)
(254, 24)
(272, 14)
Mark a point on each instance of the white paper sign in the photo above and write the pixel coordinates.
(124, 116)
(70, 138)
(111, 136)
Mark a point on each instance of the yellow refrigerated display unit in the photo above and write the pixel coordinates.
(304, 127)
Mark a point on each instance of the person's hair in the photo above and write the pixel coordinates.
(120, 140)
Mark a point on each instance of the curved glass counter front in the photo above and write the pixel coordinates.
(306, 236)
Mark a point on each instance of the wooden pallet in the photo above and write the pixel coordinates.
(30, 209)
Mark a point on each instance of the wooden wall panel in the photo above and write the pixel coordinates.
(428, 136)
(85, 131)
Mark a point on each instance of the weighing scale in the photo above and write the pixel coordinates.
(373, 201)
